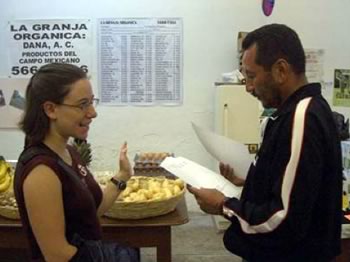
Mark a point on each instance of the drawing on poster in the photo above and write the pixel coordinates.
(17, 100)
(2, 99)
(12, 101)
(341, 90)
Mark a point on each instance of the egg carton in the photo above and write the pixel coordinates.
(149, 162)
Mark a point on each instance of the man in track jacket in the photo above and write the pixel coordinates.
(290, 207)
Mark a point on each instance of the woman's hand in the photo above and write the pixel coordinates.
(111, 191)
(125, 169)
(227, 172)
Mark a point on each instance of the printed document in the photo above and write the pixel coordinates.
(226, 150)
(199, 176)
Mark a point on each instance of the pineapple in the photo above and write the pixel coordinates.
(84, 149)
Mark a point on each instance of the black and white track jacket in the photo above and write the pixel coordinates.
(290, 207)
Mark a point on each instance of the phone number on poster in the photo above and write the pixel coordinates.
(25, 70)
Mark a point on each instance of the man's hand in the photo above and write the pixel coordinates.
(228, 172)
(209, 200)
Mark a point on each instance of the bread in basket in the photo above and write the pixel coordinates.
(147, 197)
(8, 205)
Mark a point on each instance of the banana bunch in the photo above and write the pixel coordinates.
(6, 175)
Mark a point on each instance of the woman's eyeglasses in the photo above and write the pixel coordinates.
(84, 106)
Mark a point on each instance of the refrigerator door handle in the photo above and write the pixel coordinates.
(225, 120)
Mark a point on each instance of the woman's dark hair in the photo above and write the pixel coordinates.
(50, 83)
(276, 41)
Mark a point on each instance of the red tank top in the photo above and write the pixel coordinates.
(81, 197)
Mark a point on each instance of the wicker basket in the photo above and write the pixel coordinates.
(144, 209)
(8, 205)
(9, 212)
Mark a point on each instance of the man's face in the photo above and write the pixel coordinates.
(260, 83)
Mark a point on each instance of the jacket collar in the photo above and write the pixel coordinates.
(309, 90)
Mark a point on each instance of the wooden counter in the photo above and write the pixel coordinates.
(149, 232)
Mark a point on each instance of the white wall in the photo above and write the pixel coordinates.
(210, 30)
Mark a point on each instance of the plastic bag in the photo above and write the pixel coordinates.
(342, 125)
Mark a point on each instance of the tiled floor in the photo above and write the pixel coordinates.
(196, 241)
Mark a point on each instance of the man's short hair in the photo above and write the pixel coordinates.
(276, 41)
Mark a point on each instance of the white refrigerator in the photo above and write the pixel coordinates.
(237, 115)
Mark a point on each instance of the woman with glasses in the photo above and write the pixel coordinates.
(58, 199)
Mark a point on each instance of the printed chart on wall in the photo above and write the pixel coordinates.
(341, 91)
(314, 64)
(12, 101)
(33, 43)
(140, 61)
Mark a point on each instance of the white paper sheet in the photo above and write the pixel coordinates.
(199, 176)
(225, 150)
